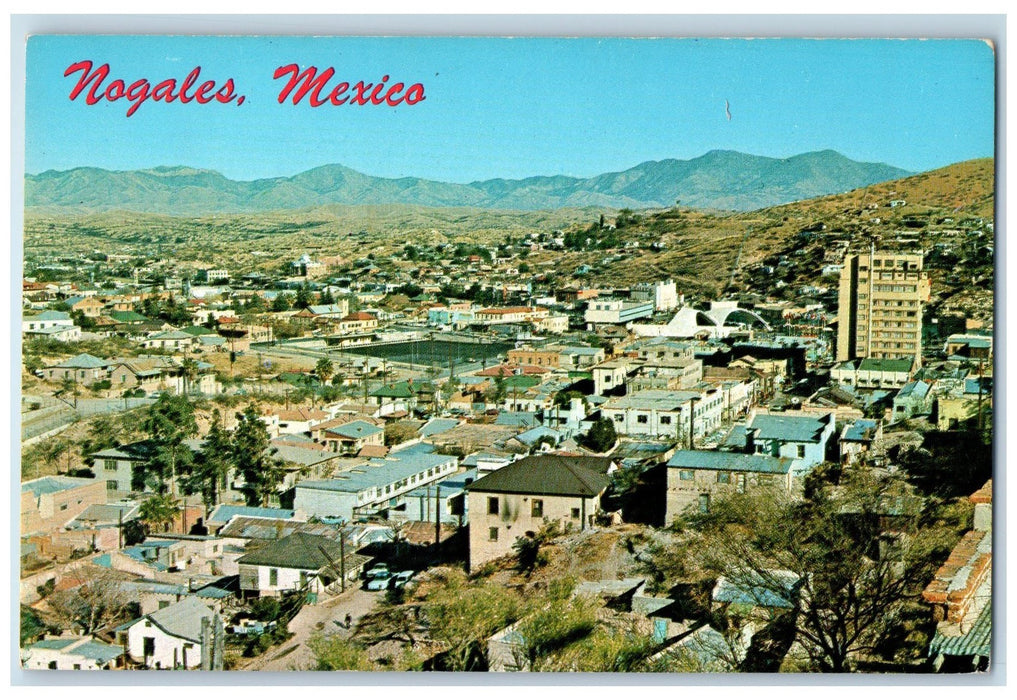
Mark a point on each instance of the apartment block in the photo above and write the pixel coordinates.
(880, 306)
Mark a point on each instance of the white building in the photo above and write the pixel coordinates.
(376, 485)
(70, 654)
(666, 414)
(168, 638)
(616, 311)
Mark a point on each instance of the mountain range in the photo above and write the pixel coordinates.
(726, 180)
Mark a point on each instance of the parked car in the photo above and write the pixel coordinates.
(377, 570)
(402, 578)
(245, 627)
(380, 582)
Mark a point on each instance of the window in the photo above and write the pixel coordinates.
(537, 508)
(686, 475)
(63, 506)
(492, 505)
(492, 534)
(273, 577)
(642, 419)
(704, 503)
(148, 646)
(163, 604)
(575, 514)
(723, 477)
(801, 451)
(109, 465)
(665, 420)
(740, 485)
(618, 418)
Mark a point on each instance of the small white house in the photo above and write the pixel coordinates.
(168, 638)
(70, 654)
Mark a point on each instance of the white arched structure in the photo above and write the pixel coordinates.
(691, 323)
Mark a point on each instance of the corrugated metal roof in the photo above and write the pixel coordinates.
(53, 484)
(223, 513)
(379, 472)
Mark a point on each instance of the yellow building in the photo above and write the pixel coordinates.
(880, 306)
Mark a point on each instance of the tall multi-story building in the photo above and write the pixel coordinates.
(880, 311)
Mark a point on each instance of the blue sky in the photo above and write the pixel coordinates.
(514, 108)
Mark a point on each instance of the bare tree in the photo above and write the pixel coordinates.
(100, 599)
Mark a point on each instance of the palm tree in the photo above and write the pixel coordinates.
(158, 512)
(189, 371)
(324, 370)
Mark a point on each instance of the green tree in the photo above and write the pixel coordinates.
(213, 465)
(600, 437)
(303, 298)
(254, 458)
(282, 302)
(109, 430)
(158, 512)
(169, 422)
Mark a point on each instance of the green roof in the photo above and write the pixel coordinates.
(886, 365)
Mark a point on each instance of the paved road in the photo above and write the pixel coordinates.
(325, 618)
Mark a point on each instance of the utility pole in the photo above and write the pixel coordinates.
(342, 559)
(692, 423)
(437, 518)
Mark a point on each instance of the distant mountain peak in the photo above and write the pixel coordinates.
(718, 179)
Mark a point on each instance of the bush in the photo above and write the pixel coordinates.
(265, 609)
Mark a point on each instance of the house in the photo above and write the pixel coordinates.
(802, 438)
(968, 346)
(169, 638)
(523, 496)
(350, 438)
(857, 438)
(696, 477)
(358, 322)
(914, 399)
(88, 305)
(296, 562)
(373, 486)
(177, 341)
(71, 654)
(51, 324)
(51, 502)
(83, 368)
(115, 466)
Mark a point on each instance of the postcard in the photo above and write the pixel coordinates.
(488, 354)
